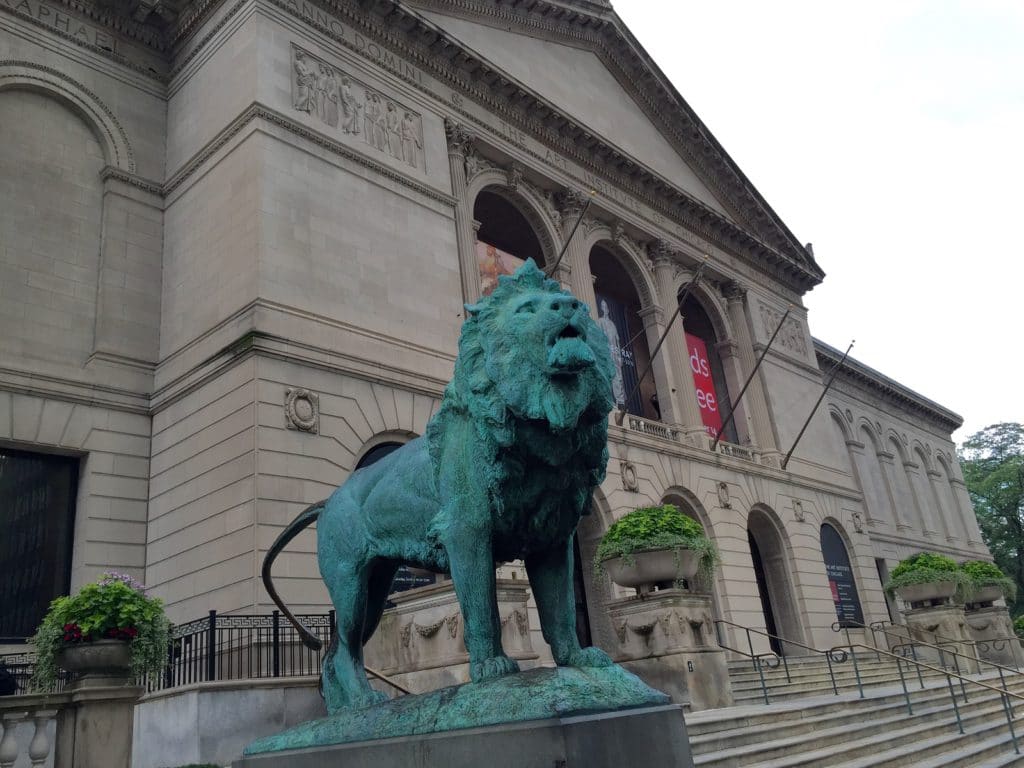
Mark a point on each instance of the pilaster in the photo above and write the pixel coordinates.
(459, 140)
(574, 269)
(756, 403)
(674, 348)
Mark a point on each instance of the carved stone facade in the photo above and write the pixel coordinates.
(257, 194)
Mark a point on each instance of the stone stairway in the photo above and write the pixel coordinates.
(818, 728)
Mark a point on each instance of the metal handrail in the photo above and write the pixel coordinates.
(1005, 695)
(908, 641)
(836, 654)
(879, 626)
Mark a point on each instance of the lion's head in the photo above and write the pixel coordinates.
(530, 352)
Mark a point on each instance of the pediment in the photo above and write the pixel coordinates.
(578, 82)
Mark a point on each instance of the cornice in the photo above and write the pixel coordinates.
(891, 391)
(603, 32)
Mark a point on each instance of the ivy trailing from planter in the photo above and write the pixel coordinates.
(652, 528)
(985, 574)
(928, 568)
(115, 608)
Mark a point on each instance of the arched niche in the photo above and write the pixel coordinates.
(877, 493)
(112, 138)
(687, 503)
(842, 580)
(773, 574)
(903, 491)
(512, 229)
(961, 524)
(617, 310)
(52, 159)
(373, 451)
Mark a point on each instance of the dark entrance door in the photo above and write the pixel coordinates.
(579, 590)
(762, 591)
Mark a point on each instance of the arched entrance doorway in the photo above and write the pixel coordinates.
(774, 586)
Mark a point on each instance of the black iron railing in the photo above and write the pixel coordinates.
(243, 647)
(222, 647)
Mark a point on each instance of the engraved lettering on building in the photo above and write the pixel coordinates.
(355, 110)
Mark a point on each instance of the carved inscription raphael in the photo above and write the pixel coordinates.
(340, 101)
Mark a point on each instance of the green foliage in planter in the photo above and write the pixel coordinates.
(985, 574)
(1018, 626)
(928, 568)
(116, 607)
(663, 527)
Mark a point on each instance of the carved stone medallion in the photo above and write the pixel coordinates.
(302, 410)
(630, 482)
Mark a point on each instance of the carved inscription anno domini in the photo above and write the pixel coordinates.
(359, 112)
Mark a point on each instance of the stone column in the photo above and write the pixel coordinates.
(728, 353)
(653, 318)
(574, 269)
(674, 348)
(754, 401)
(459, 140)
(965, 510)
(887, 463)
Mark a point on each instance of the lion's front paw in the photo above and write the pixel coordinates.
(587, 657)
(495, 666)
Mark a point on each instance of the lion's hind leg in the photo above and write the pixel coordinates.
(344, 678)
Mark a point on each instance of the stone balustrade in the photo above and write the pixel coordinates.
(29, 727)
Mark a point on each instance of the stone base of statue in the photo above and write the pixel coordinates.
(668, 639)
(948, 625)
(992, 630)
(597, 717)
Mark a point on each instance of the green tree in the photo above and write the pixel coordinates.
(993, 464)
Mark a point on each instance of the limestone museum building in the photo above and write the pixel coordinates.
(236, 238)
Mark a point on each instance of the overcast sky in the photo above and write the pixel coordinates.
(889, 135)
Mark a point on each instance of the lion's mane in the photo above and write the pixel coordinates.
(487, 350)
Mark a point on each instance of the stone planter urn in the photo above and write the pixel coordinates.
(642, 570)
(987, 594)
(100, 658)
(927, 593)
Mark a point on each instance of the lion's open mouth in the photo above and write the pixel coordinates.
(569, 353)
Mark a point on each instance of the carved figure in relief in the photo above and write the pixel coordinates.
(393, 123)
(505, 471)
(351, 108)
(305, 84)
(411, 144)
(614, 347)
(328, 96)
(370, 117)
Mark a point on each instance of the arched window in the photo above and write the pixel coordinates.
(405, 578)
(618, 308)
(840, 577)
(705, 363)
(505, 239)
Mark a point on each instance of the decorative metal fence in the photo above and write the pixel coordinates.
(243, 647)
(223, 647)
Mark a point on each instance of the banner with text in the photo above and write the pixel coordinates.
(707, 397)
(611, 316)
(840, 578)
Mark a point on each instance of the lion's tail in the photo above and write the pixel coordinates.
(305, 518)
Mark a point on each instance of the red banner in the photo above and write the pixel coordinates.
(707, 397)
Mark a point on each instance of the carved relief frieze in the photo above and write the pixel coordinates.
(791, 336)
(356, 111)
(302, 410)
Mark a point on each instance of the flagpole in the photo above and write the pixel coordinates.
(828, 383)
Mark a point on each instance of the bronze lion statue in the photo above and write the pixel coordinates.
(506, 468)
